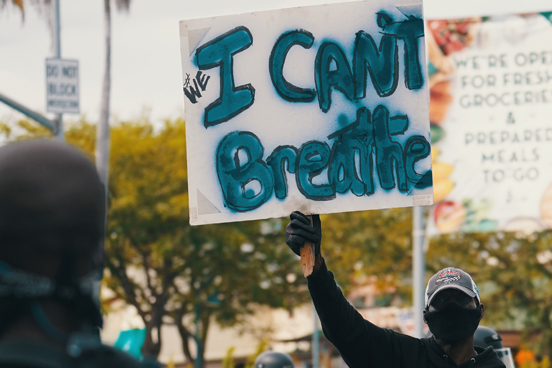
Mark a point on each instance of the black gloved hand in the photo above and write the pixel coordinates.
(299, 230)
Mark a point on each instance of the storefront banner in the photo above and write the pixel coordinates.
(491, 131)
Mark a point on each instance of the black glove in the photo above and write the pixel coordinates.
(299, 230)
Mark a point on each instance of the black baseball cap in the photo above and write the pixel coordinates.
(451, 278)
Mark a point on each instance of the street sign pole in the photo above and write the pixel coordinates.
(58, 127)
(315, 341)
(28, 112)
(418, 269)
(62, 81)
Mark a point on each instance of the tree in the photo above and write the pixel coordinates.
(169, 271)
(102, 138)
(376, 243)
(17, 3)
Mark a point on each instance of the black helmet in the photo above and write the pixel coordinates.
(486, 336)
(273, 359)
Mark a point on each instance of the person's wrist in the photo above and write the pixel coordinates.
(317, 262)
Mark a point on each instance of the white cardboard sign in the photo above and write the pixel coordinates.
(320, 109)
(62, 86)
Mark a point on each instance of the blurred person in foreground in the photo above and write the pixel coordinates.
(452, 311)
(51, 232)
(273, 359)
(485, 336)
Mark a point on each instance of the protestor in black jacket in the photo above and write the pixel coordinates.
(52, 213)
(453, 311)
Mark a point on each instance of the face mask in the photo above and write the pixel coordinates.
(453, 323)
(27, 288)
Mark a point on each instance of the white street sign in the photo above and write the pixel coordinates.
(62, 86)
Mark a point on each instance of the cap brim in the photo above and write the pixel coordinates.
(463, 289)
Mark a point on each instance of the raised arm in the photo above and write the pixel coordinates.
(360, 343)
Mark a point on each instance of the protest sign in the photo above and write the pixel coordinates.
(319, 109)
(491, 95)
(62, 86)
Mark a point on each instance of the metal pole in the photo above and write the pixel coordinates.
(198, 345)
(58, 126)
(418, 269)
(26, 111)
(315, 341)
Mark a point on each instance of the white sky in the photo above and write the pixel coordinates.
(146, 74)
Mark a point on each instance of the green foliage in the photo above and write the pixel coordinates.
(22, 130)
(167, 269)
(250, 362)
(228, 360)
(544, 363)
(370, 243)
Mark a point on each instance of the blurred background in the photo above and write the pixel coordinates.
(225, 293)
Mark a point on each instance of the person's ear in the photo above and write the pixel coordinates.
(482, 307)
(424, 317)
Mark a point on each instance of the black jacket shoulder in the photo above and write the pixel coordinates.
(38, 354)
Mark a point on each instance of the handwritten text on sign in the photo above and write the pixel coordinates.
(277, 95)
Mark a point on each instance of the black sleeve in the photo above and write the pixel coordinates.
(360, 343)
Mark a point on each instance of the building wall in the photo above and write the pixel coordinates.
(266, 323)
